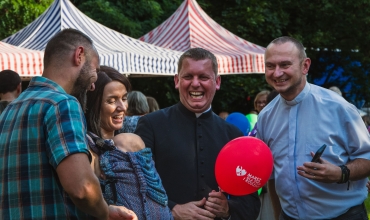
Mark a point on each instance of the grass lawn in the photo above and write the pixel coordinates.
(367, 204)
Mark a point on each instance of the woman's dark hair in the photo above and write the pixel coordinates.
(137, 103)
(94, 98)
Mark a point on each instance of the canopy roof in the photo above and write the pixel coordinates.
(126, 54)
(191, 27)
(25, 62)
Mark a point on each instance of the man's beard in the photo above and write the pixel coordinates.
(80, 87)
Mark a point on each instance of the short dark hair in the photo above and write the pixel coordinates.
(137, 103)
(198, 54)
(153, 104)
(298, 45)
(9, 80)
(94, 98)
(65, 41)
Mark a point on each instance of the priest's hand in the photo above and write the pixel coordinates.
(192, 210)
(217, 204)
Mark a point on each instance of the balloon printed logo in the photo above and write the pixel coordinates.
(240, 171)
(253, 180)
(250, 179)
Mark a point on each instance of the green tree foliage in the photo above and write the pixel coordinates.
(17, 14)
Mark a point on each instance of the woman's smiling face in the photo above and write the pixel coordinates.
(113, 108)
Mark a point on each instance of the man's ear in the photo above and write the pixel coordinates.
(218, 82)
(176, 79)
(79, 56)
(19, 88)
(306, 66)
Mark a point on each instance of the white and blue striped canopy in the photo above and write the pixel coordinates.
(126, 54)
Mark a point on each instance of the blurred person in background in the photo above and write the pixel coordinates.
(260, 100)
(10, 87)
(223, 115)
(137, 107)
(366, 120)
(336, 90)
(153, 104)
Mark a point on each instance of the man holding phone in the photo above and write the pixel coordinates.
(295, 125)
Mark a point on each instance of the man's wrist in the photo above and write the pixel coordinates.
(227, 217)
(345, 173)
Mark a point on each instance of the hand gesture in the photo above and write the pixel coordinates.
(192, 210)
(217, 204)
(323, 172)
(121, 213)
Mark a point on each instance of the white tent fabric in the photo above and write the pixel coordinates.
(25, 62)
(191, 27)
(126, 54)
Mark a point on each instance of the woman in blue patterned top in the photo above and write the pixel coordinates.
(124, 166)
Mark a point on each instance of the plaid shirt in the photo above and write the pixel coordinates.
(37, 131)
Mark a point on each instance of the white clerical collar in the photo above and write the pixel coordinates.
(300, 96)
(199, 114)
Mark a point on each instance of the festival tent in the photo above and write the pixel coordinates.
(25, 62)
(191, 27)
(126, 54)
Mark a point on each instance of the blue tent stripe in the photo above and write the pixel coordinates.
(128, 55)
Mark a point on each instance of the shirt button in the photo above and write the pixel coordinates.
(201, 148)
(202, 175)
(203, 189)
(202, 162)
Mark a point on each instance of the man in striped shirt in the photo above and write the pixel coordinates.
(45, 171)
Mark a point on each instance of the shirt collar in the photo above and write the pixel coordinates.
(187, 112)
(300, 96)
(42, 81)
(199, 114)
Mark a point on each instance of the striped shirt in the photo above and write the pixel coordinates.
(38, 130)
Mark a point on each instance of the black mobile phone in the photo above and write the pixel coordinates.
(316, 157)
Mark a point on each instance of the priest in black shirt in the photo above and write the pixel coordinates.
(185, 140)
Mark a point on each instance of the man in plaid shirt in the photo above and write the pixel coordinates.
(45, 170)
